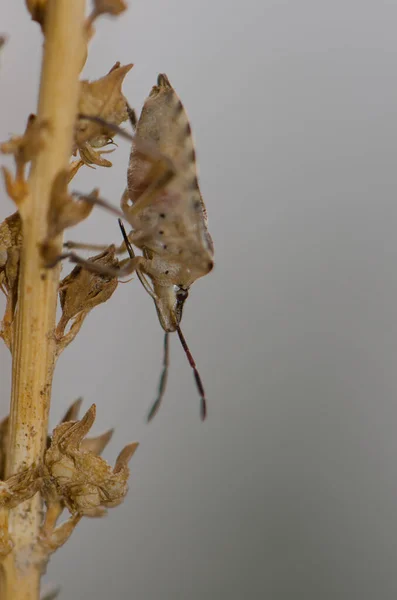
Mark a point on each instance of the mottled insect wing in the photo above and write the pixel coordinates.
(172, 221)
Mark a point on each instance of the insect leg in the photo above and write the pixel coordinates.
(127, 266)
(81, 246)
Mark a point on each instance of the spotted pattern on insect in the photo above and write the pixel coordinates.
(164, 204)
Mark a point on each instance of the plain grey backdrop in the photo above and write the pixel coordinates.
(289, 490)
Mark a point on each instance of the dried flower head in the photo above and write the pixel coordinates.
(101, 98)
(85, 482)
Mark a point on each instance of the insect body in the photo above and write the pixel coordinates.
(164, 206)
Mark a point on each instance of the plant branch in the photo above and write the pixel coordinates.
(33, 335)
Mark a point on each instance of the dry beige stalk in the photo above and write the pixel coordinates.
(34, 344)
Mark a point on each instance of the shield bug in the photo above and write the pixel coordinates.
(164, 206)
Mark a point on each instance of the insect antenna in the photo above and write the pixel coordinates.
(131, 116)
(148, 149)
(127, 242)
(197, 377)
(163, 378)
(115, 128)
(166, 355)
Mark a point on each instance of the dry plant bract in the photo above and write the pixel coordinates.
(101, 98)
(79, 478)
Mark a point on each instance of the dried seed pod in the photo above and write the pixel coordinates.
(65, 210)
(53, 536)
(10, 244)
(85, 482)
(81, 291)
(101, 98)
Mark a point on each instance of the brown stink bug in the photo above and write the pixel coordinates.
(165, 209)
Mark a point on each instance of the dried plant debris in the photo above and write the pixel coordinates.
(10, 244)
(101, 98)
(65, 210)
(37, 9)
(20, 487)
(81, 291)
(50, 594)
(23, 148)
(4, 432)
(53, 536)
(102, 7)
(111, 7)
(83, 481)
(74, 167)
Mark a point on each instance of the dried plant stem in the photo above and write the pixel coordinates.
(34, 341)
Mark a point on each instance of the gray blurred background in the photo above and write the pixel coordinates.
(289, 490)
